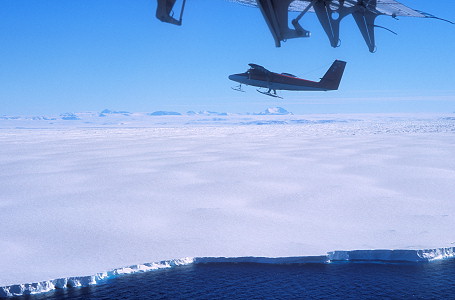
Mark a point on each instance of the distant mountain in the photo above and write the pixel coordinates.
(164, 113)
(35, 118)
(9, 118)
(275, 111)
(208, 113)
(44, 118)
(115, 115)
(69, 116)
(106, 112)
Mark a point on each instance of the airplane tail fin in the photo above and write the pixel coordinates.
(332, 78)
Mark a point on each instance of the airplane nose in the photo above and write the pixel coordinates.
(236, 77)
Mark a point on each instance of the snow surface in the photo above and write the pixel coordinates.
(82, 196)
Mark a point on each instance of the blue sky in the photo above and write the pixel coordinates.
(86, 55)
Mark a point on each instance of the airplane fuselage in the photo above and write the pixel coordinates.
(261, 77)
(276, 81)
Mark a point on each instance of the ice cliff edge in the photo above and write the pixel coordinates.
(385, 255)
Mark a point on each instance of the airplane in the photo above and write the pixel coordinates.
(329, 13)
(259, 76)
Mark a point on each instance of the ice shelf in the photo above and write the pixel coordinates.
(82, 196)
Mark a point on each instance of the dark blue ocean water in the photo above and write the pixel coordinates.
(435, 280)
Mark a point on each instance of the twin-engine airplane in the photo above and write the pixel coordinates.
(261, 77)
(329, 13)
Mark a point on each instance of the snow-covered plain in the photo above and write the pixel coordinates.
(88, 194)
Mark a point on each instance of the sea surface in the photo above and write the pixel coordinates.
(434, 280)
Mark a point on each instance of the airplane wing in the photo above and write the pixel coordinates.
(329, 13)
(384, 7)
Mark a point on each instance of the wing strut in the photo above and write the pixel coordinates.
(330, 16)
(296, 23)
(365, 21)
(275, 13)
(165, 13)
(364, 12)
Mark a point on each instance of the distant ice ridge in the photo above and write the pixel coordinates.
(425, 255)
(322, 259)
(385, 255)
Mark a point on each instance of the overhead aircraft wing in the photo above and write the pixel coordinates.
(330, 13)
(385, 7)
